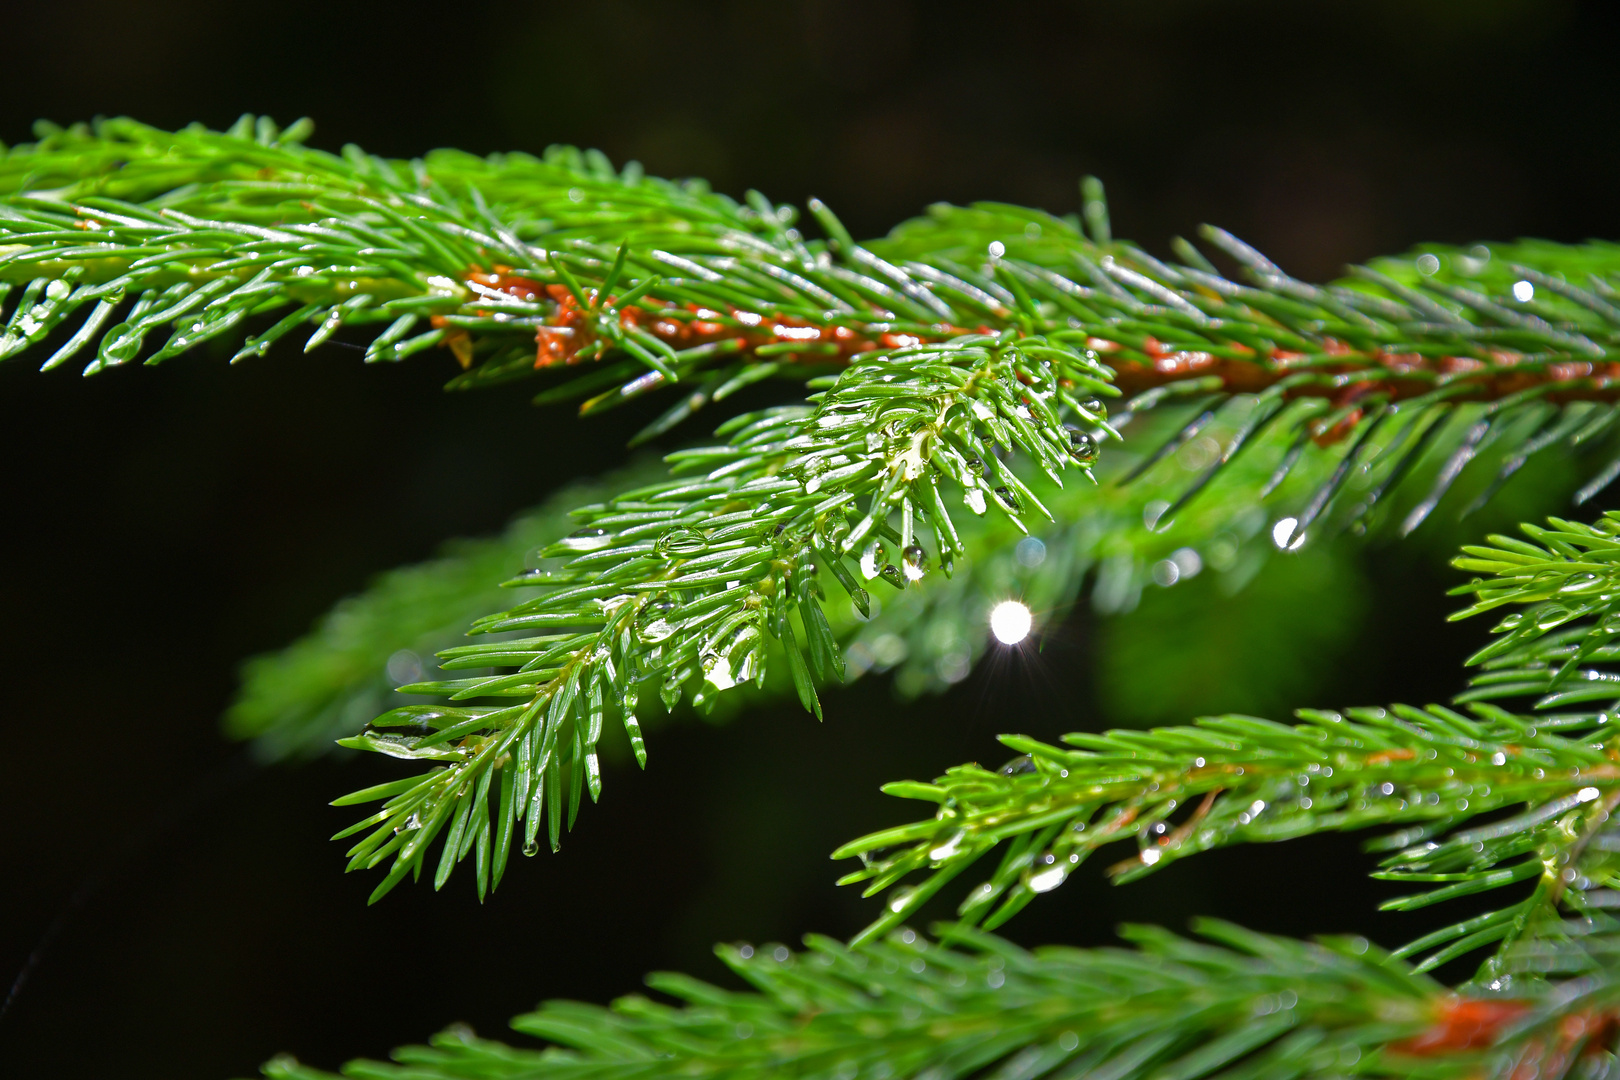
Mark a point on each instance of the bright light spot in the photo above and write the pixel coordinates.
(1586, 794)
(1151, 856)
(1187, 561)
(1283, 531)
(1523, 291)
(1030, 551)
(1166, 572)
(997, 249)
(1427, 264)
(1010, 622)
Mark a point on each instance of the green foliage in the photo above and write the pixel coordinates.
(968, 355)
(687, 580)
(1232, 779)
(1566, 579)
(975, 1005)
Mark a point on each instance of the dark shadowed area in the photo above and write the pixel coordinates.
(161, 525)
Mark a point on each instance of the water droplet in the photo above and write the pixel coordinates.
(680, 541)
(1008, 500)
(717, 671)
(862, 601)
(1094, 407)
(974, 498)
(1081, 445)
(1018, 766)
(892, 576)
(530, 848)
(1552, 615)
(914, 562)
(752, 667)
(1513, 621)
(900, 898)
(651, 624)
(655, 631)
(414, 821)
(670, 692)
(949, 847)
(872, 558)
(1582, 583)
(975, 466)
(587, 539)
(1048, 879)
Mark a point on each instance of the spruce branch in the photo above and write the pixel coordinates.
(1565, 579)
(520, 265)
(1183, 790)
(689, 580)
(1234, 1004)
(1178, 791)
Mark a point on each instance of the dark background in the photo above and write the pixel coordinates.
(158, 526)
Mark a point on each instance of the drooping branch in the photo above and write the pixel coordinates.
(688, 580)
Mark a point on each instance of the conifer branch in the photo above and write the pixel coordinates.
(690, 578)
(975, 1005)
(1179, 791)
(1236, 1004)
(519, 265)
(1565, 579)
